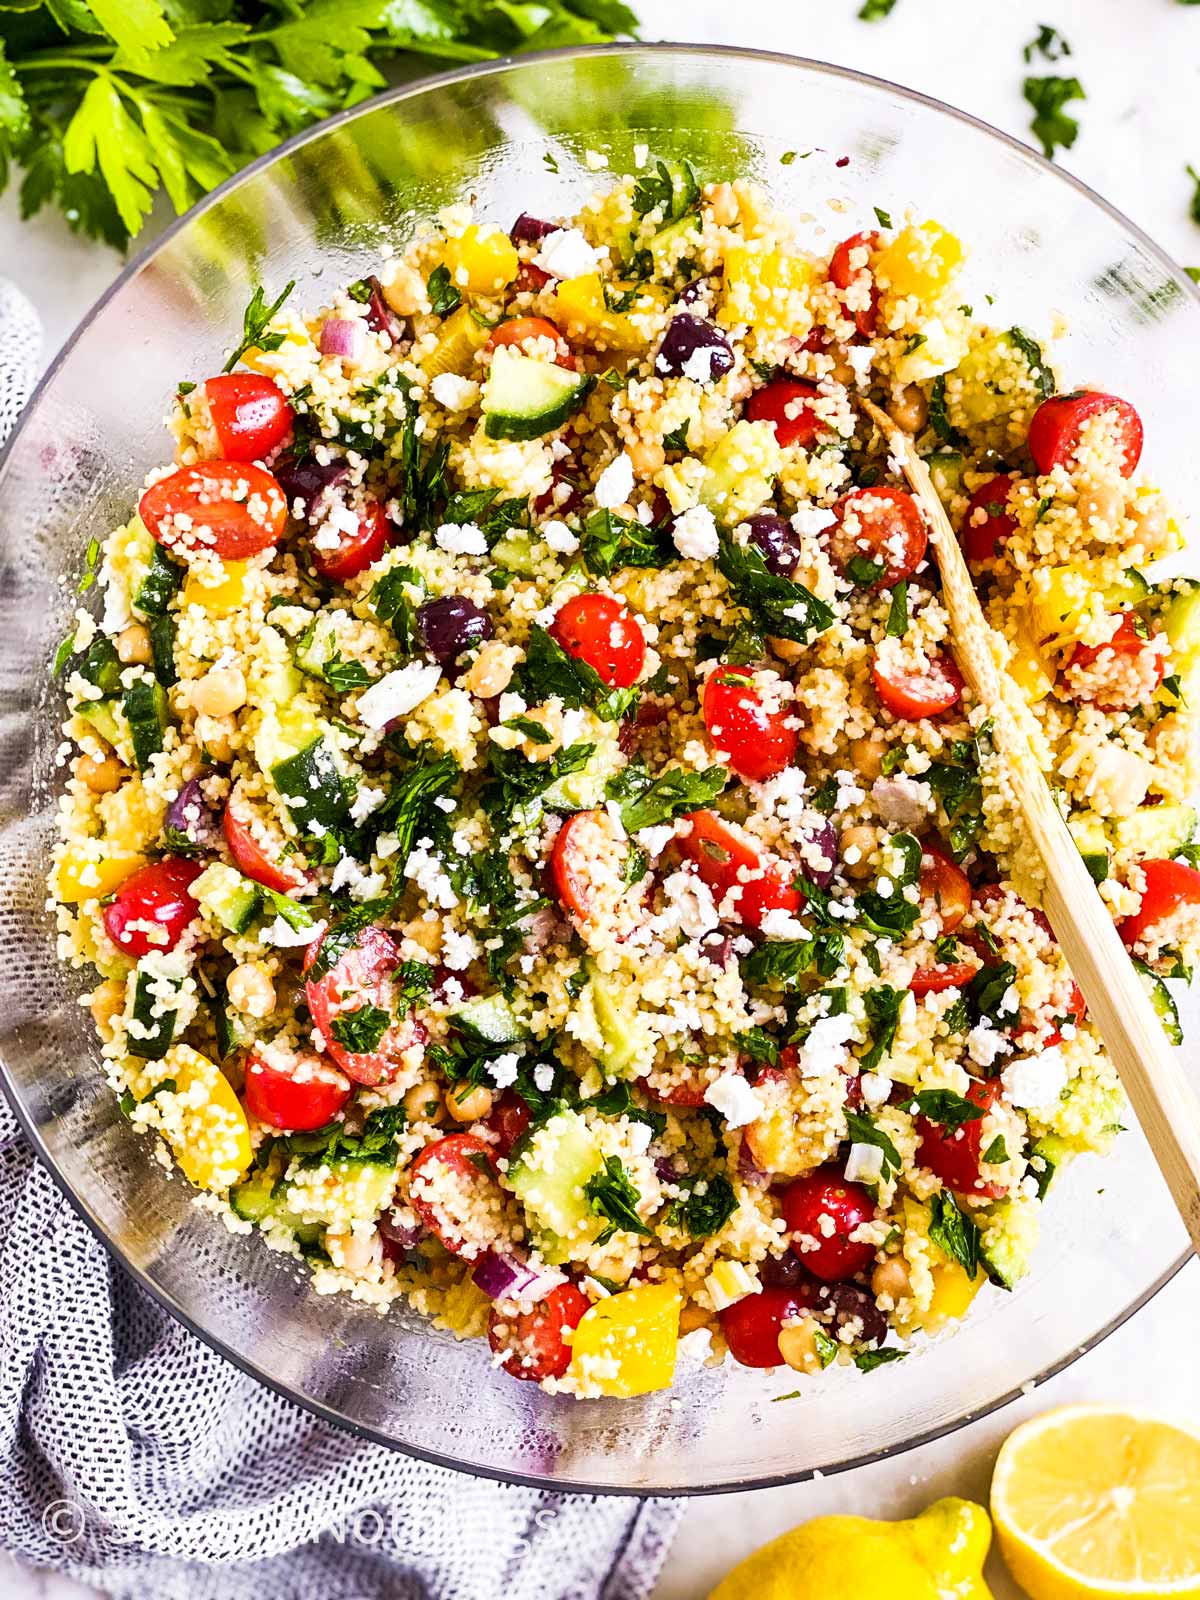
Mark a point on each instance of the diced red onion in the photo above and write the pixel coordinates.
(718, 950)
(189, 815)
(341, 336)
(380, 316)
(504, 1277)
(530, 230)
(664, 1169)
(749, 1170)
(404, 1236)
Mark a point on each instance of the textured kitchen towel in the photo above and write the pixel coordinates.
(137, 1460)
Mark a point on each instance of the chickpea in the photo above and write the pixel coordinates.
(403, 290)
(1149, 512)
(798, 1346)
(468, 1105)
(841, 371)
(423, 1102)
(858, 845)
(107, 1002)
(1101, 508)
(693, 1317)
(425, 933)
(251, 991)
(352, 1250)
(491, 671)
(647, 457)
(910, 409)
(220, 692)
(216, 736)
(723, 204)
(786, 649)
(102, 776)
(867, 755)
(133, 645)
(891, 1278)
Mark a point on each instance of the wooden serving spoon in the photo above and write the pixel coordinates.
(1150, 1071)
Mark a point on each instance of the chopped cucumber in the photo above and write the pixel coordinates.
(488, 1017)
(1130, 590)
(946, 470)
(740, 471)
(1155, 832)
(313, 787)
(1000, 373)
(354, 1188)
(1181, 624)
(252, 1199)
(228, 897)
(108, 720)
(1045, 1158)
(317, 645)
(154, 591)
(525, 398)
(515, 552)
(100, 665)
(285, 731)
(1087, 829)
(549, 1179)
(154, 1043)
(1005, 1255)
(626, 1039)
(584, 790)
(162, 648)
(145, 705)
(1163, 1002)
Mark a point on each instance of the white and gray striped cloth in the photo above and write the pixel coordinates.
(135, 1459)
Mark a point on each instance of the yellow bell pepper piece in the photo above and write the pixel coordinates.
(90, 870)
(1029, 669)
(482, 260)
(222, 598)
(585, 316)
(919, 261)
(953, 1293)
(203, 1121)
(459, 337)
(625, 1345)
(766, 288)
(131, 817)
(1062, 605)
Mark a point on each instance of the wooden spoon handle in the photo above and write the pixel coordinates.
(1150, 1071)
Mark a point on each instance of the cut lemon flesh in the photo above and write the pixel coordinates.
(1088, 1501)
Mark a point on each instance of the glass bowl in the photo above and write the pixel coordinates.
(516, 136)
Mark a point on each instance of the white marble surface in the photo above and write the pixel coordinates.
(1138, 64)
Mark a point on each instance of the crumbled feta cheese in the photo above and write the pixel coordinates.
(640, 1135)
(698, 366)
(781, 924)
(349, 874)
(461, 539)
(810, 519)
(875, 1088)
(565, 253)
(459, 949)
(453, 392)
(398, 693)
(860, 357)
(543, 1077)
(365, 801)
(283, 936)
(503, 1070)
(560, 538)
(733, 1097)
(985, 1043)
(864, 1164)
(655, 840)
(695, 534)
(427, 872)
(690, 904)
(1035, 1083)
(825, 1048)
(615, 483)
(695, 1348)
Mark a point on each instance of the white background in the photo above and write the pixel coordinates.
(1139, 61)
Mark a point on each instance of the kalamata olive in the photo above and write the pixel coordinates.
(820, 845)
(305, 480)
(691, 292)
(840, 1303)
(451, 625)
(782, 1272)
(380, 316)
(529, 230)
(191, 818)
(693, 348)
(778, 542)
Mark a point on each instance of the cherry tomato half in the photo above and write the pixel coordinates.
(584, 841)
(232, 509)
(1130, 641)
(1057, 424)
(946, 975)
(757, 737)
(787, 403)
(814, 1201)
(842, 273)
(946, 885)
(532, 1341)
(362, 976)
(153, 907)
(988, 523)
(519, 330)
(878, 525)
(250, 414)
(726, 859)
(306, 1096)
(356, 551)
(953, 1154)
(445, 1183)
(509, 1120)
(752, 1326)
(252, 860)
(599, 630)
(913, 695)
(1169, 887)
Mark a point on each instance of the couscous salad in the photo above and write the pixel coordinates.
(539, 855)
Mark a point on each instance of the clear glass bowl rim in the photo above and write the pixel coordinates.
(133, 266)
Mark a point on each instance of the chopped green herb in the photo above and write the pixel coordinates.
(868, 1360)
(885, 220)
(953, 1233)
(444, 295)
(1051, 125)
(649, 802)
(825, 1347)
(548, 670)
(779, 607)
(1049, 44)
(861, 1130)
(882, 1005)
(255, 320)
(945, 1107)
(612, 1195)
(897, 621)
(875, 10)
(706, 1207)
(360, 1031)
(609, 542)
(996, 1152)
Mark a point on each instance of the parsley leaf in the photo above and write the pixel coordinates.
(862, 1130)
(706, 1207)
(1049, 44)
(987, 994)
(361, 1030)
(669, 188)
(779, 607)
(390, 602)
(956, 1235)
(944, 1107)
(548, 670)
(868, 1360)
(875, 10)
(517, 784)
(897, 620)
(616, 1100)
(613, 1195)
(609, 542)
(758, 1045)
(996, 1152)
(296, 916)
(255, 321)
(1051, 125)
(648, 802)
(444, 296)
(883, 1014)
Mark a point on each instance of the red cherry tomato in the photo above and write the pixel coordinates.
(1171, 886)
(584, 839)
(1057, 424)
(1076, 1007)
(758, 739)
(356, 551)
(988, 523)
(878, 525)
(752, 1326)
(726, 859)
(913, 695)
(947, 975)
(520, 329)
(250, 414)
(818, 1198)
(531, 278)
(953, 1154)
(251, 859)
(233, 509)
(842, 274)
(509, 1120)
(532, 1341)
(362, 976)
(308, 1095)
(599, 630)
(565, 472)
(1128, 642)
(787, 403)
(445, 1181)
(153, 907)
(947, 885)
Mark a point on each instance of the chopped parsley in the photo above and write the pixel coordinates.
(444, 296)
(706, 1207)
(897, 619)
(778, 606)
(996, 1152)
(868, 1360)
(758, 1045)
(255, 320)
(608, 542)
(876, 10)
(671, 189)
(861, 1130)
(956, 1235)
(649, 802)
(885, 220)
(548, 671)
(361, 1030)
(613, 1195)
(1049, 44)
(945, 1107)
(882, 1005)
(1051, 125)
